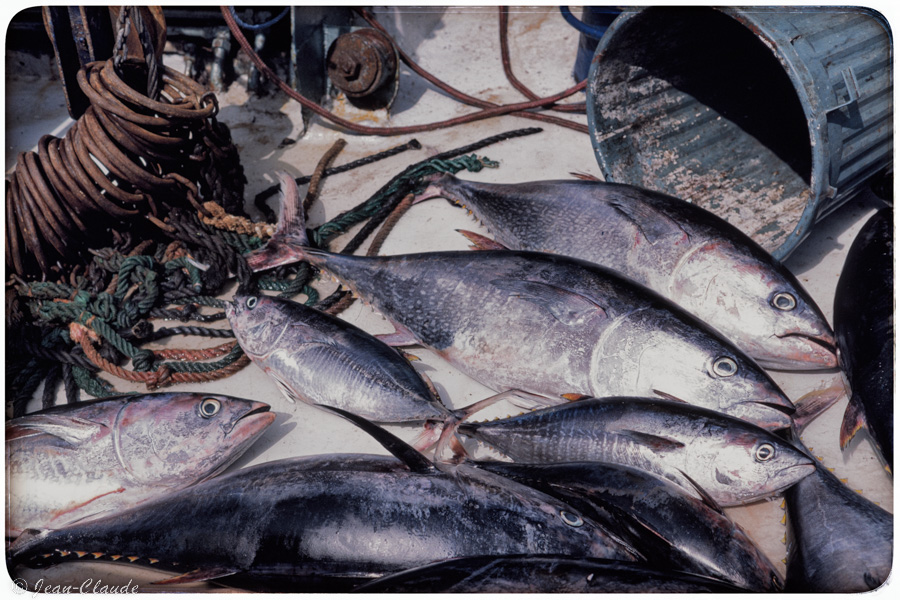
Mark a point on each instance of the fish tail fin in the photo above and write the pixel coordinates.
(449, 431)
(854, 420)
(434, 188)
(289, 242)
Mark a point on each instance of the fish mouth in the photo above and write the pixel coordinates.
(805, 352)
(254, 421)
(792, 471)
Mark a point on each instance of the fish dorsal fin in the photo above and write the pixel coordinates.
(412, 458)
(73, 430)
(653, 224)
(657, 443)
(201, 574)
(480, 242)
(703, 494)
(568, 307)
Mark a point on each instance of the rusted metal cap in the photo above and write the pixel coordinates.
(364, 64)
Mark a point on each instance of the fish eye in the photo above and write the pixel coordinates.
(252, 301)
(784, 301)
(764, 452)
(724, 366)
(209, 407)
(571, 518)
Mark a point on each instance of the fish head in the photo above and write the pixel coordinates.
(680, 358)
(757, 303)
(752, 462)
(258, 322)
(178, 439)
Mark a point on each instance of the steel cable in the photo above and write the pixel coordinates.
(127, 155)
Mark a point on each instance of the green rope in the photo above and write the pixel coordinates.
(210, 301)
(407, 179)
(92, 385)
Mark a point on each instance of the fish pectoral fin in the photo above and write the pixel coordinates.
(73, 430)
(286, 390)
(480, 242)
(703, 494)
(201, 574)
(568, 307)
(854, 420)
(412, 458)
(652, 224)
(654, 442)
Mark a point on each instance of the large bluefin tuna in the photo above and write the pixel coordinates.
(687, 254)
(660, 519)
(326, 523)
(730, 460)
(864, 327)
(543, 324)
(81, 460)
(838, 541)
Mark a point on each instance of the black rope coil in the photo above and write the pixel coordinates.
(127, 156)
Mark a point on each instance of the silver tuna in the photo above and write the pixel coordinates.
(78, 461)
(544, 324)
(320, 359)
(687, 254)
(730, 460)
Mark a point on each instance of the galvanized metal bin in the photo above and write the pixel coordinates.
(770, 117)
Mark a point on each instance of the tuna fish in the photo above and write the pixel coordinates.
(732, 461)
(838, 541)
(543, 574)
(543, 324)
(327, 523)
(864, 326)
(83, 460)
(659, 518)
(687, 254)
(322, 360)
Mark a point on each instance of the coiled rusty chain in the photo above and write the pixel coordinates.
(129, 155)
